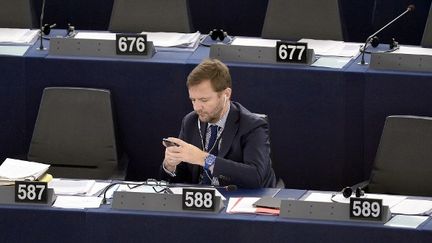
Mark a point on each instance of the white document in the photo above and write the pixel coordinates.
(15, 169)
(241, 205)
(333, 48)
(388, 200)
(406, 221)
(159, 39)
(71, 187)
(414, 50)
(413, 207)
(18, 36)
(251, 41)
(77, 202)
(331, 62)
(98, 188)
(13, 50)
(179, 190)
(95, 35)
(173, 39)
(319, 197)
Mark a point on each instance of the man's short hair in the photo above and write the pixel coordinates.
(213, 70)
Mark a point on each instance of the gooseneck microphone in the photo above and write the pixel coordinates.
(41, 47)
(230, 188)
(369, 39)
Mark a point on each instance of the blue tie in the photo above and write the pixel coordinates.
(212, 149)
(213, 136)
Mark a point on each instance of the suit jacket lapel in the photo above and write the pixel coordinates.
(230, 131)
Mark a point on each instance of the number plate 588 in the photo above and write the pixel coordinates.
(198, 199)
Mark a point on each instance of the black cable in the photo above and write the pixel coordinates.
(133, 185)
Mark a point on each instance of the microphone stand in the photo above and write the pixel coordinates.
(369, 39)
(41, 47)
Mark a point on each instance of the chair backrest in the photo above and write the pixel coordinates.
(74, 132)
(16, 14)
(403, 163)
(296, 19)
(279, 181)
(150, 15)
(427, 33)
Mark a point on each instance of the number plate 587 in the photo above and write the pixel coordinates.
(31, 191)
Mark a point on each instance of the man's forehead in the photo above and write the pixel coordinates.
(202, 88)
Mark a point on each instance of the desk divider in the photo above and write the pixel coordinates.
(155, 202)
(252, 54)
(92, 48)
(401, 62)
(324, 211)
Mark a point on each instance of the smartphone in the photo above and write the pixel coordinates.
(168, 143)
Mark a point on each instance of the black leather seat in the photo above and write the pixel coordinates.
(296, 19)
(75, 133)
(151, 16)
(403, 163)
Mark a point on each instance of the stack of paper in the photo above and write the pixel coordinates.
(172, 39)
(413, 207)
(333, 48)
(77, 202)
(17, 170)
(18, 36)
(414, 50)
(163, 41)
(71, 187)
(245, 205)
(253, 41)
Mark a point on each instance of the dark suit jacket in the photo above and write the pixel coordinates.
(244, 154)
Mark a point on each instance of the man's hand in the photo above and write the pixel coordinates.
(184, 152)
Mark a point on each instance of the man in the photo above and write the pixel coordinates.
(220, 142)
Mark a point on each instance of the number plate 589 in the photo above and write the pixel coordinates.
(198, 199)
(366, 208)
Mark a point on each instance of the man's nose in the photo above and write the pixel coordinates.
(197, 106)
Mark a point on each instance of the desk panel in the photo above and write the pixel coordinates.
(12, 106)
(42, 224)
(37, 224)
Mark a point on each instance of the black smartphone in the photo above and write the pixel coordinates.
(168, 143)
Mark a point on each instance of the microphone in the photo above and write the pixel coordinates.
(230, 188)
(41, 47)
(369, 39)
